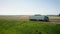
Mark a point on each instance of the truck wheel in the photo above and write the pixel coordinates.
(47, 20)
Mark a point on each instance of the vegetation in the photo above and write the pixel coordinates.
(28, 27)
(59, 14)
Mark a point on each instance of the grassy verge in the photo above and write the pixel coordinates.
(28, 27)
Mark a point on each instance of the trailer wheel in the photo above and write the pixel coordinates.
(41, 20)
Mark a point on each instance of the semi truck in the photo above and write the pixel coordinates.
(38, 18)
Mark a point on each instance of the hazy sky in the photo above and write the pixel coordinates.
(29, 7)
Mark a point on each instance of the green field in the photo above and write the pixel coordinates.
(28, 27)
(22, 25)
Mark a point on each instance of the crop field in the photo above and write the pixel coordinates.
(22, 25)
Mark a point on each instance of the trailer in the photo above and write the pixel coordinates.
(38, 18)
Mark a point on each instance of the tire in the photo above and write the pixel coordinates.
(47, 20)
(40, 20)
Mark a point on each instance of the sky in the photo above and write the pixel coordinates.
(29, 7)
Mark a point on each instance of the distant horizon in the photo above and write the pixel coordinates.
(37, 14)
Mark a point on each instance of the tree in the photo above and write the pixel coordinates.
(59, 14)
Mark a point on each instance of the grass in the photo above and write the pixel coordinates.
(54, 17)
(28, 27)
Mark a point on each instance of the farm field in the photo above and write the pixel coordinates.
(22, 25)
